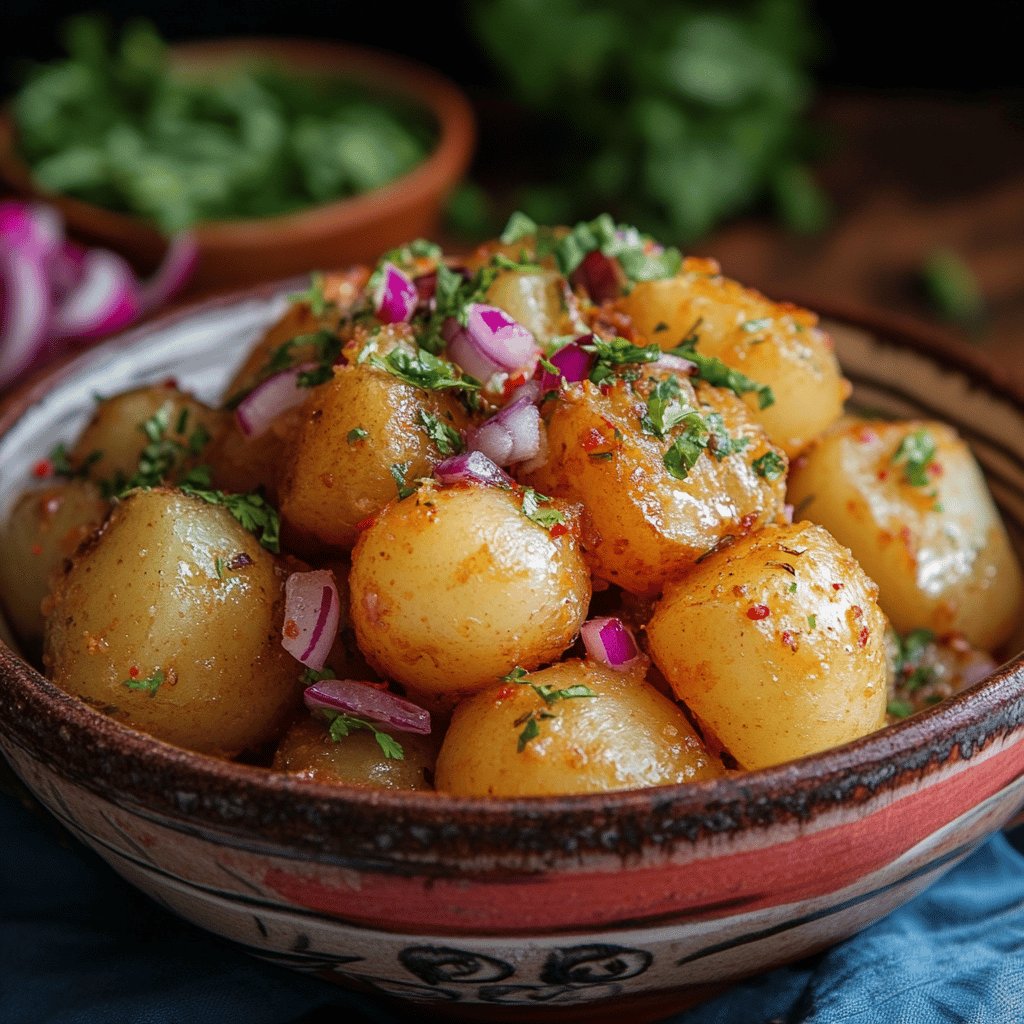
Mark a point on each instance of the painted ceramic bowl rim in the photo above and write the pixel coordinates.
(330, 823)
(395, 76)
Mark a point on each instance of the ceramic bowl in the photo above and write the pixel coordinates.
(351, 230)
(582, 906)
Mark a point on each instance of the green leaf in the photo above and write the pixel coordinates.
(252, 511)
(519, 226)
(148, 685)
(545, 517)
(423, 370)
(712, 370)
(447, 439)
(915, 454)
(343, 725)
(771, 465)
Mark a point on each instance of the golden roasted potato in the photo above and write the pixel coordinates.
(776, 344)
(537, 300)
(359, 433)
(453, 587)
(308, 751)
(508, 740)
(169, 619)
(43, 529)
(160, 415)
(911, 503)
(645, 523)
(777, 643)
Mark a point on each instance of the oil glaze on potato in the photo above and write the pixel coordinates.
(453, 587)
(776, 344)
(777, 643)
(936, 548)
(337, 479)
(644, 525)
(308, 751)
(169, 619)
(44, 528)
(627, 735)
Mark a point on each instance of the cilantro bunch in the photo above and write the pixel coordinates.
(674, 116)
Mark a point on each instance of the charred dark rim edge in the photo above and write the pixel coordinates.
(404, 832)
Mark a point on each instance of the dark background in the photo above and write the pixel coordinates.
(868, 44)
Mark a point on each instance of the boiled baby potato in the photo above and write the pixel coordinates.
(169, 619)
(160, 415)
(44, 528)
(308, 751)
(536, 299)
(453, 587)
(508, 740)
(911, 503)
(777, 643)
(647, 524)
(776, 344)
(359, 433)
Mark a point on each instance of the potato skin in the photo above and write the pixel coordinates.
(939, 551)
(626, 736)
(144, 596)
(44, 527)
(778, 662)
(116, 433)
(644, 526)
(453, 587)
(777, 344)
(308, 751)
(333, 483)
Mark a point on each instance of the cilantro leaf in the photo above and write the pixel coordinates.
(343, 725)
(915, 453)
(771, 465)
(665, 408)
(252, 511)
(447, 439)
(313, 296)
(519, 226)
(638, 257)
(148, 685)
(714, 371)
(398, 473)
(423, 370)
(616, 353)
(357, 434)
(545, 517)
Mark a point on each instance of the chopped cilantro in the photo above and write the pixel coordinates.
(720, 443)
(311, 675)
(915, 453)
(313, 296)
(447, 439)
(252, 511)
(356, 434)
(517, 675)
(639, 259)
(545, 517)
(149, 685)
(700, 433)
(615, 353)
(531, 727)
(398, 473)
(812, 621)
(760, 324)
(665, 408)
(899, 708)
(343, 725)
(404, 257)
(218, 565)
(423, 370)
(715, 372)
(61, 464)
(771, 465)
(519, 226)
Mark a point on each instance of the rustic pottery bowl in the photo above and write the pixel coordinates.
(352, 230)
(581, 906)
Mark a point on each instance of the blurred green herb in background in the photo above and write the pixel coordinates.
(113, 126)
(952, 289)
(674, 116)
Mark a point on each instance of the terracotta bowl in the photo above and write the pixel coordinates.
(584, 906)
(355, 230)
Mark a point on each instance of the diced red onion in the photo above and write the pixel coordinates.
(510, 436)
(600, 276)
(396, 298)
(609, 641)
(787, 513)
(471, 467)
(530, 390)
(491, 342)
(269, 399)
(311, 615)
(573, 364)
(105, 298)
(366, 701)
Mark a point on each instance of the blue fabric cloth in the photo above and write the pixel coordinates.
(79, 946)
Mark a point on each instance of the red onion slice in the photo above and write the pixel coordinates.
(178, 265)
(471, 467)
(491, 342)
(25, 310)
(512, 435)
(367, 701)
(311, 615)
(609, 641)
(396, 298)
(573, 364)
(269, 399)
(105, 298)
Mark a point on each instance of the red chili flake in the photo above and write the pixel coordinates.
(837, 586)
(934, 469)
(37, 549)
(856, 611)
(758, 612)
(866, 436)
(291, 629)
(42, 469)
(593, 439)
(883, 474)
(788, 639)
(862, 636)
(605, 389)
(746, 524)
(559, 530)
(505, 692)
(365, 524)
(511, 383)
(906, 536)
(134, 671)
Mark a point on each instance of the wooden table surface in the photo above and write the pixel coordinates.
(908, 175)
